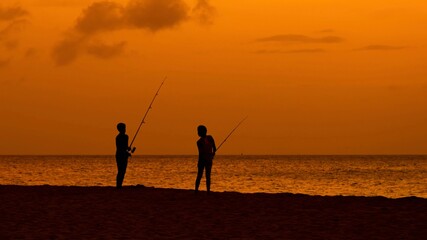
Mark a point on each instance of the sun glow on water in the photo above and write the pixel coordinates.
(390, 176)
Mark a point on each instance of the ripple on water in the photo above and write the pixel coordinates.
(390, 176)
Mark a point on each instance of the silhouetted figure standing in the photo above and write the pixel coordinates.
(122, 153)
(207, 149)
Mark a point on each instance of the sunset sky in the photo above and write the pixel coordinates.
(314, 76)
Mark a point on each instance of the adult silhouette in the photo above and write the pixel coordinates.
(122, 153)
(207, 149)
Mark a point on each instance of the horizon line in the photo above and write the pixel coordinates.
(138, 155)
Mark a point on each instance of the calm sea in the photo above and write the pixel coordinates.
(390, 176)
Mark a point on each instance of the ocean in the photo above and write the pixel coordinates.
(388, 176)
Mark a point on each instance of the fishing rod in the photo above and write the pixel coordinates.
(145, 115)
(234, 129)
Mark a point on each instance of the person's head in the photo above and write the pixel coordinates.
(201, 131)
(121, 127)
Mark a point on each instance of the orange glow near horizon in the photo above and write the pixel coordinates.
(314, 77)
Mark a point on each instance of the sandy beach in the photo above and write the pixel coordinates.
(138, 212)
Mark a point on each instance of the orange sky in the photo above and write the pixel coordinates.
(314, 76)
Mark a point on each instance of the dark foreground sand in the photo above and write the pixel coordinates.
(48, 212)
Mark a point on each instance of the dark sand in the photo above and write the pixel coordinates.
(49, 212)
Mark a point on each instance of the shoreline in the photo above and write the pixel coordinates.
(40, 212)
(213, 192)
(220, 155)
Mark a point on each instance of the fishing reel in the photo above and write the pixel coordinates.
(131, 151)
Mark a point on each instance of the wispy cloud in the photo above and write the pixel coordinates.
(12, 13)
(380, 48)
(303, 39)
(57, 3)
(204, 12)
(102, 50)
(108, 16)
(328, 30)
(13, 20)
(306, 50)
(12, 27)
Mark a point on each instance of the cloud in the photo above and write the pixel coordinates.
(295, 38)
(108, 16)
(12, 27)
(57, 3)
(11, 13)
(13, 21)
(155, 15)
(329, 30)
(102, 50)
(67, 50)
(306, 50)
(204, 12)
(11, 44)
(8, 32)
(380, 48)
(100, 16)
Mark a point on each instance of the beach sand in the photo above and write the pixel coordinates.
(138, 212)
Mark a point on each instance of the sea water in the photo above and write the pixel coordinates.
(389, 176)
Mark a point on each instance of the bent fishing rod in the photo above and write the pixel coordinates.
(145, 115)
(234, 129)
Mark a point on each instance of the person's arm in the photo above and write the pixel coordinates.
(126, 141)
(127, 145)
(199, 148)
(213, 145)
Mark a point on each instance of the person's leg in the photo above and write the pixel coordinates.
(121, 171)
(200, 167)
(119, 178)
(208, 175)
